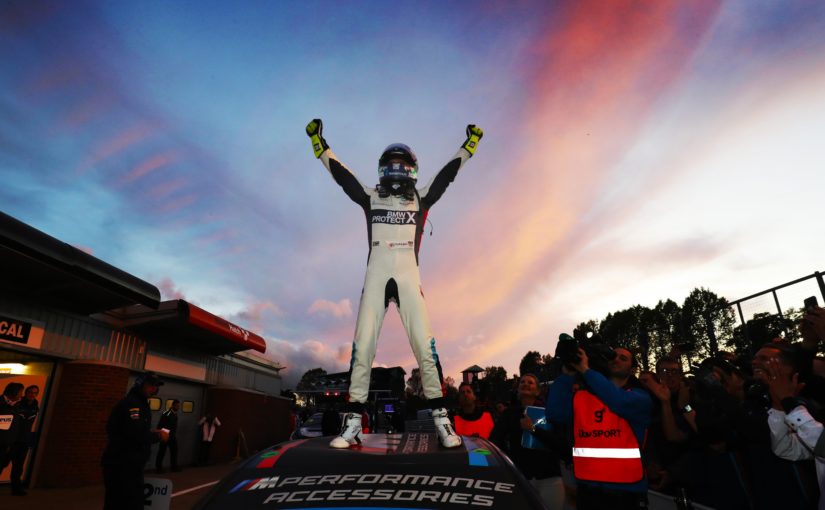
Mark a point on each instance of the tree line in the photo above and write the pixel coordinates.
(703, 325)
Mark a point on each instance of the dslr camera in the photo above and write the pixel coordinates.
(599, 354)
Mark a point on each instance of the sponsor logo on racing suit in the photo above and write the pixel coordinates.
(392, 217)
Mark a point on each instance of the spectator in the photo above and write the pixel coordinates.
(540, 466)
(209, 424)
(498, 410)
(610, 415)
(10, 426)
(670, 430)
(775, 481)
(795, 434)
(812, 329)
(130, 438)
(471, 420)
(169, 421)
(27, 410)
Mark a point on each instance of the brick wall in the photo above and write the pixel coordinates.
(77, 431)
(263, 419)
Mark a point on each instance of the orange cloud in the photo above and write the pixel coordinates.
(603, 68)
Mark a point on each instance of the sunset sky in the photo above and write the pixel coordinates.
(633, 150)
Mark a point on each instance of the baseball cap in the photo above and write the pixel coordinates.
(149, 378)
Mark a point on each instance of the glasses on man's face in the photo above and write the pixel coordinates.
(670, 371)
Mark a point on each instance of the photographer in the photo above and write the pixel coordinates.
(610, 415)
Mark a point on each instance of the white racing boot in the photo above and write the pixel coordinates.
(350, 432)
(446, 433)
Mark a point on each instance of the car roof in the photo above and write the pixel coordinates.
(398, 471)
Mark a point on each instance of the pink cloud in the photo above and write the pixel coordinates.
(150, 165)
(339, 310)
(168, 290)
(306, 355)
(603, 70)
(116, 144)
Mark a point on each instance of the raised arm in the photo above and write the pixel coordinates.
(356, 191)
(438, 184)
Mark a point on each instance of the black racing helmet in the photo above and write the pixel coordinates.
(397, 164)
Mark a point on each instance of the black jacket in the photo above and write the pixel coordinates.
(27, 413)
(9, 422)
(129, 432)
(169, 420)
(532, 463)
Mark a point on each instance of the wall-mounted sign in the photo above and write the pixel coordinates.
(18, 331)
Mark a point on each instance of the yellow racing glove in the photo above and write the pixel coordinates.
(314, 129)
(474, 134)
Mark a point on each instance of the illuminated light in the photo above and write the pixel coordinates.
(326, 394)
(12, 368)
(336, 393)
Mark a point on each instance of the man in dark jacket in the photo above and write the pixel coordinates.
(27, 410)
(169, 421)
(130, 441)
(10, 426)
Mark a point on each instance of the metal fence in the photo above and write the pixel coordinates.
(784, 300)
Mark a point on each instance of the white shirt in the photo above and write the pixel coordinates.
(208, 429)
(794, 437)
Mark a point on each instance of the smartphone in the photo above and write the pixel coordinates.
(810, 304)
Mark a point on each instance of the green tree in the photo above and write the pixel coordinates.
(707, 322)
(530, 363)
(628, 328)
(309, 381)
(664, 333)
(451, 389)
(495, 385)
(591, 326)
(414, 386)
(761, 329)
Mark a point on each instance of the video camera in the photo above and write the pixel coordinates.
(599, 354)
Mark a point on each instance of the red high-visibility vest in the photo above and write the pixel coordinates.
(605, 448)
(480, 427)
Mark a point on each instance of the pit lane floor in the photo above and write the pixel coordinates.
(201, 479)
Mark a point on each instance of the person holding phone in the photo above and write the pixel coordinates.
(812, 325)
(812, 329)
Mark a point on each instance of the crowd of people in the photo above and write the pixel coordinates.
(18, 412)
(736, 432)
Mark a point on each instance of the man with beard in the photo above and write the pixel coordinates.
(610, 414)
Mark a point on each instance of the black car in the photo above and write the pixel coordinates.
(312, 427)
(388, 471)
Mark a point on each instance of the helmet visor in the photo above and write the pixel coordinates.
(397, 170)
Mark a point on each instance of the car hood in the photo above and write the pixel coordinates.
(389, 471)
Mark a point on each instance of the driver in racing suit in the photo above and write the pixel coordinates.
(396, 212)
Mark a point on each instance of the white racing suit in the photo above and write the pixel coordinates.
(394, 228)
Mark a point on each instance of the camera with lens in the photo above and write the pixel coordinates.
(599, 354)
